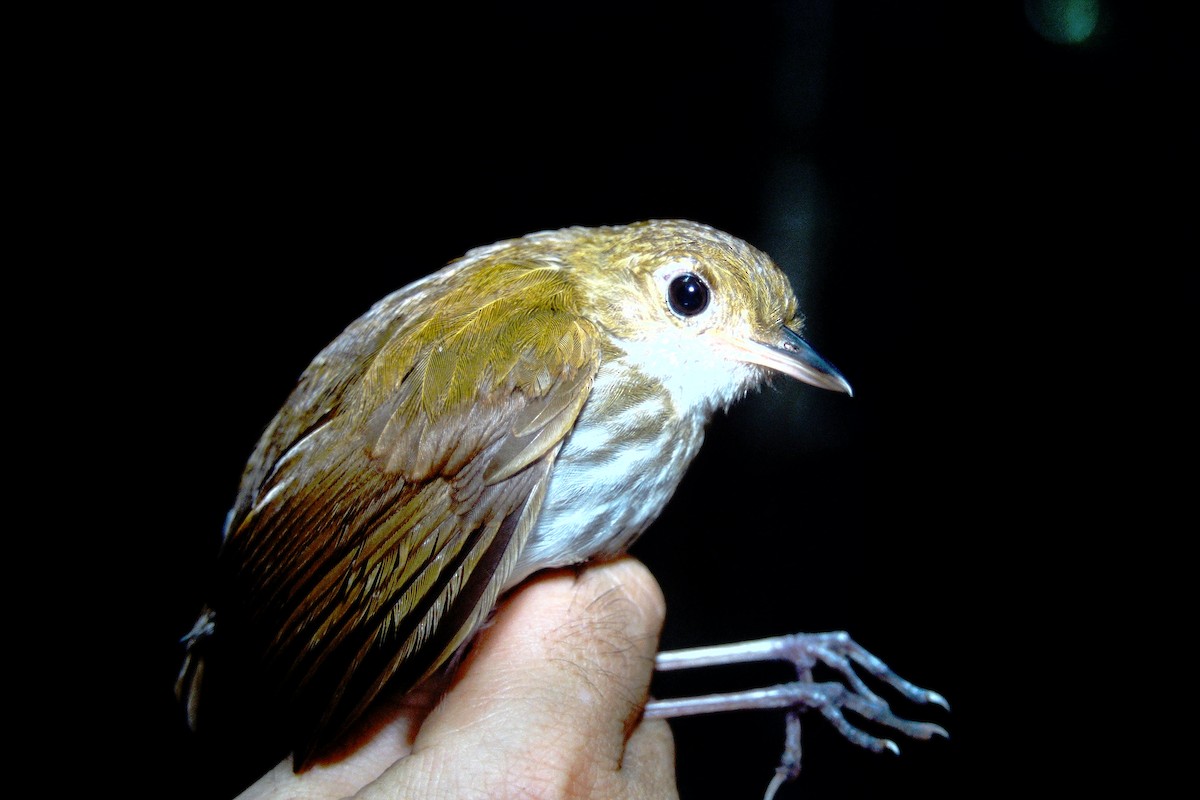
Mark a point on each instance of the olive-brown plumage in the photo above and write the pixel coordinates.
(532, 404)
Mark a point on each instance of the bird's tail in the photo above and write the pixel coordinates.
(191, 674)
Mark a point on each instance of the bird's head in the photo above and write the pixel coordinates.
(683, 298)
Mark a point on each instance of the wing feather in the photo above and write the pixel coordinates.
(385, 507)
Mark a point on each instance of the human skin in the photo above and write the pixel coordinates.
(546, 704)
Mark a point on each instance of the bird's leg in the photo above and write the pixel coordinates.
(789, 762)
(837, 651)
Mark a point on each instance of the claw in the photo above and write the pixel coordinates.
(837, 651)
(937, 699)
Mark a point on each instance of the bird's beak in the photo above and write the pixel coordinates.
(788, 353)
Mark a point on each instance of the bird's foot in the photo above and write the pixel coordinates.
(836, 651)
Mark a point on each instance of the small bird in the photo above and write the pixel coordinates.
(533, 404)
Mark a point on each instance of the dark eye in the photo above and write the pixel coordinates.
(688, 295)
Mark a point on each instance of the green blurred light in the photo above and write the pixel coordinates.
(1063, 21)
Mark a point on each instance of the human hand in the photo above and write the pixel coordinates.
(547, 703)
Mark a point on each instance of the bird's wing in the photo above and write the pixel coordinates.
(386, 505)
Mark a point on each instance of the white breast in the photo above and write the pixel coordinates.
(624, 460)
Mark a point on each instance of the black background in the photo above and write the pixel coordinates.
(973, 215)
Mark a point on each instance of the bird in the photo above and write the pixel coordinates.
(532, 404)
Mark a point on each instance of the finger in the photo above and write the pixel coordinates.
(385, 739)
(648, 770)
(573, 651)
(553, 687)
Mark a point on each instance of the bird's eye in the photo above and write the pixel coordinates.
(688, 295)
